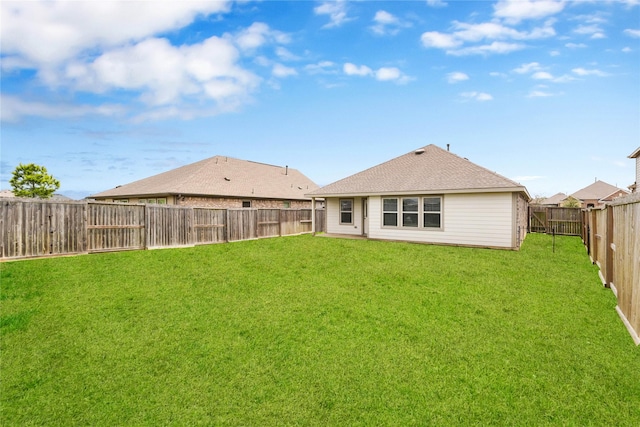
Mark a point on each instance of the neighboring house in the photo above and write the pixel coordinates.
(597, 194)
(431, 196)
(555, 200)
(55, 197)
(219, 182)
(636, 155)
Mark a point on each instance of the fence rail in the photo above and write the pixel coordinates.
(42, 228)
(612, 237)
(547, 219)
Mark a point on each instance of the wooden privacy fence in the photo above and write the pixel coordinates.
(612, 237)
(42, 228)
(548, 219)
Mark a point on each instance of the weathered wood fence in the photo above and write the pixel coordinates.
(612, 237)
(550, 219)
(42, 228)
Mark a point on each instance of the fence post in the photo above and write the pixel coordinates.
(608, 249)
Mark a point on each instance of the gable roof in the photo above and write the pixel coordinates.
(554, 200)
(635, 154)
(596, 191)
(426, 170)
(221, 176)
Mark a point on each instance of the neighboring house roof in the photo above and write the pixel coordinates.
(556, 199)
(596, 191)
(221, 176)
(55, 197)
(635, 154)
(429, 169)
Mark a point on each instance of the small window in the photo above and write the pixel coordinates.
(346, 211)
(121, 200)
(286, 204)
(432, 212)
(246, 203)
(390, 212)
(410, 216)
(162, 201)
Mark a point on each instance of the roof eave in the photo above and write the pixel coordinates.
(422, 192)
(635, 153)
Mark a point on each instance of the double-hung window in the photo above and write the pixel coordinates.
(432, 212)
(390, 212)
(346, 211)
(412, 212)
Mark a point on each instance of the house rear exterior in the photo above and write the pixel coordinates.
(429, 196)
(219, 182)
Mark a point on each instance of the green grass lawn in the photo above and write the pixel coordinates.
(316, 331)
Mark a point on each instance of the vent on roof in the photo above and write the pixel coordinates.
(419, 151)
(227, 179)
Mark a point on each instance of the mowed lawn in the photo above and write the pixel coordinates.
(316, 331)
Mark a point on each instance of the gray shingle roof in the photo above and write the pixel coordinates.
(554, 200)
(429, 169)
(221, 176)
(596, 191)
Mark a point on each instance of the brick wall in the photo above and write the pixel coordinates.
(234, 203)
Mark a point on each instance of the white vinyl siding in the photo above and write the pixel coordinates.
(334, 216)
(478, 219)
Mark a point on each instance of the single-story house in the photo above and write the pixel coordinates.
(636, 155)
(219, 182)
(429, 195)
(555, 200)
(597, 194)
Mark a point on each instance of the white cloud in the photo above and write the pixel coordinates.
(575, 45)
(257, 35)
(457, 77)
(386, 23)
(322, 67)
(280, 70)
(495, 47)
(499, 35)
(632, 33)
(584, 72)
(165, 74)
(527, 68)
(477, 96)
(284, 54)
(436, 3)
(514, 11)
(336, 10)
(439, 40)
(47, 33)
(12, 109)
(383, 74)
(541, 75)
(590, 30)
(627, 49)
(539, 94)
(353, 70)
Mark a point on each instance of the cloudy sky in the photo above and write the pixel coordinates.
(103, 93)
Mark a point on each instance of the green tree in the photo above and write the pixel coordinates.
(571, 202)
(33, 181)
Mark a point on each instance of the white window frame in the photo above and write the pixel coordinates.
(388, 212)
(421, 212)
(341, 211)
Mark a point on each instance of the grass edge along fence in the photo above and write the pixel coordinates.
(612, 237)
(39, 228)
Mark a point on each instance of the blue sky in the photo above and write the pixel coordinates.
(104, 93)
